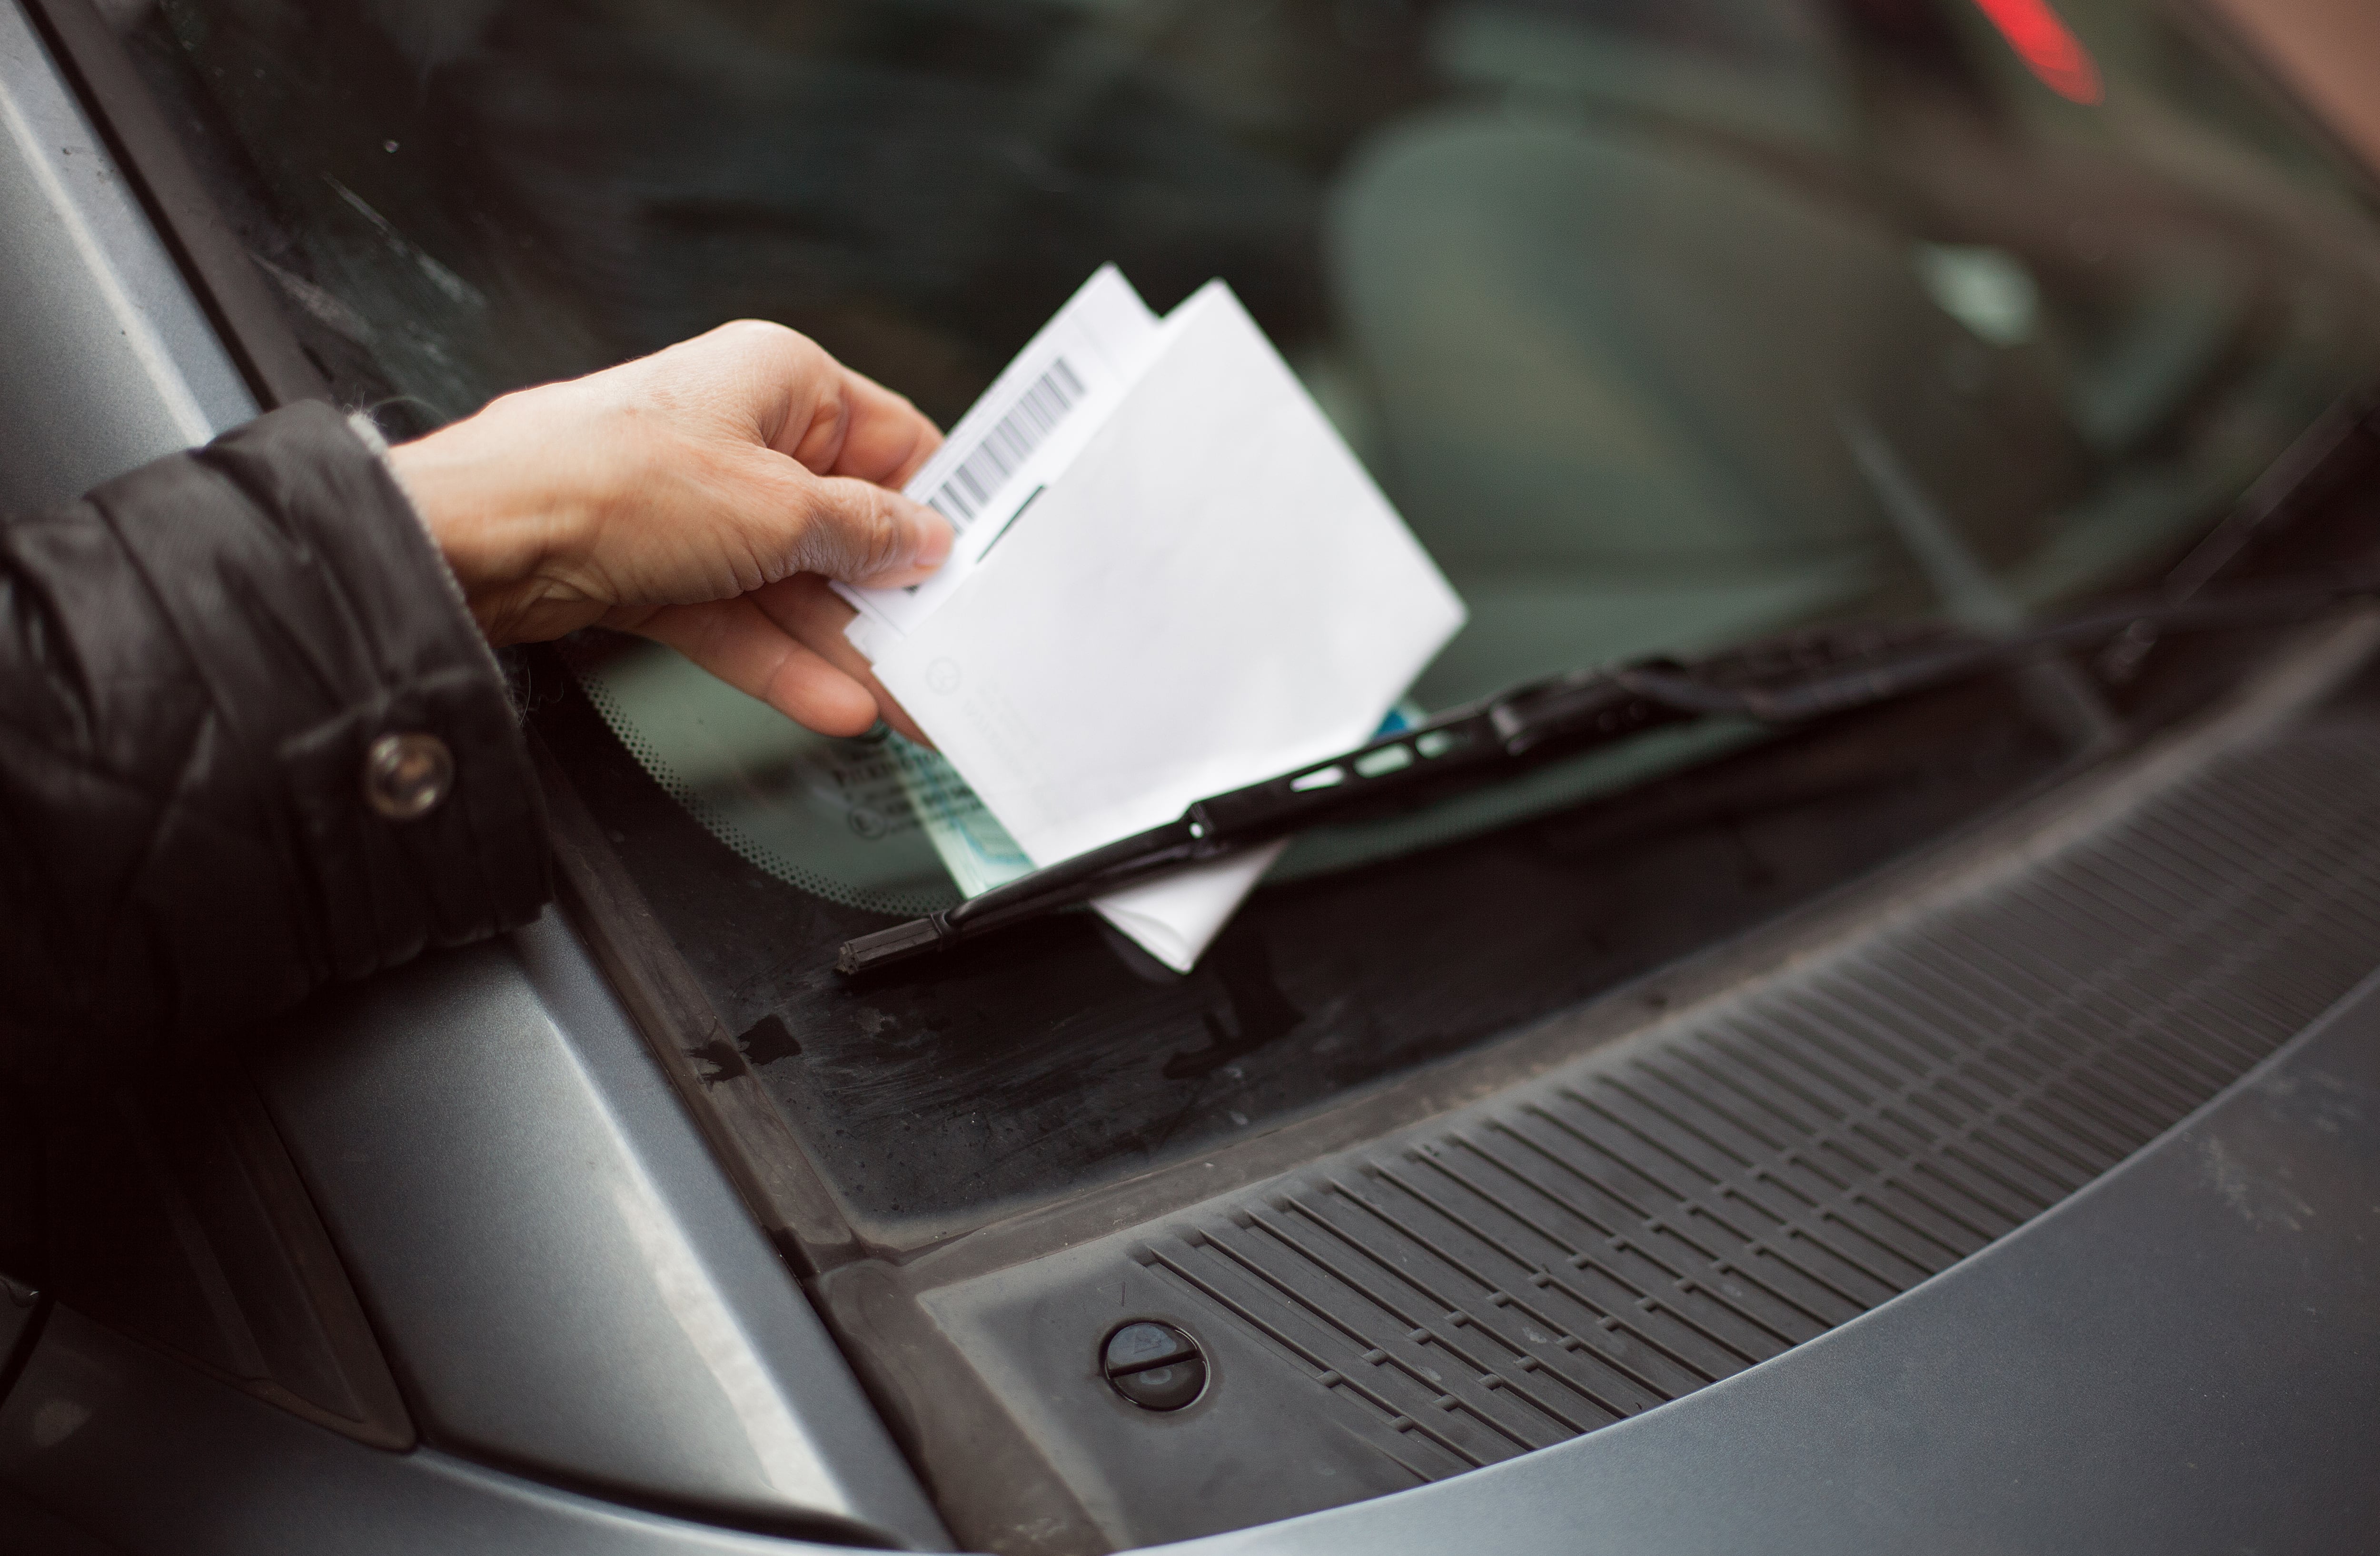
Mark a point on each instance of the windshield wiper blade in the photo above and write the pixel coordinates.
(1783, 680)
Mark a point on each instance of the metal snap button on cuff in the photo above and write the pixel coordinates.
(407, 776)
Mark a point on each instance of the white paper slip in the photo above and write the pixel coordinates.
(1209, 591)
(1027, 425)
(1175, 918)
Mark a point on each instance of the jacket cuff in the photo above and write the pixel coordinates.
(357, 689)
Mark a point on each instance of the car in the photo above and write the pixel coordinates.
(1948, 1119)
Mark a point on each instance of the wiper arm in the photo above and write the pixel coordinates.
(1784, 680)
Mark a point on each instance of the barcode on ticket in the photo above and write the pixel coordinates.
(1010, 443)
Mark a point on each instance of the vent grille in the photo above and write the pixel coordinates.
(1658, 1217)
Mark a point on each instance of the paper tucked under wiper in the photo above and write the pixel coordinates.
(1170, 579)
(1025, 428)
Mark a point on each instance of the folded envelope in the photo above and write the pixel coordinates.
(1209, 591)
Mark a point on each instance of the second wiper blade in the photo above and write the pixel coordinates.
(1783, 680)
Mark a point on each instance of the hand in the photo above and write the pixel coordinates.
(700, 496)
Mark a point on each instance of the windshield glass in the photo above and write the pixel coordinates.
(1664, 323)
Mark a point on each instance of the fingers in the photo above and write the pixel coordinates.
(855, 440)
(807, 406)
(814, 614)
(887, 439)
(736, 641)
(785, 645)
(862, 533)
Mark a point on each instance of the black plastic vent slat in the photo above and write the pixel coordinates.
(1661, 1217)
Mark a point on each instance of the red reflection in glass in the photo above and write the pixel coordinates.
(2044, 43)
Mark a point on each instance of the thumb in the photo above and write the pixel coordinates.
(863, 533)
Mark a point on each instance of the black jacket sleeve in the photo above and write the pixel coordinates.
(202, 816)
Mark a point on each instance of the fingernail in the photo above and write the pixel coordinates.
(930, 537)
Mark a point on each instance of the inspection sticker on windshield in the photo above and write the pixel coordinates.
(974, 846)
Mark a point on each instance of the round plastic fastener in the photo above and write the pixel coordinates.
(1153, 1365)
(407, 776)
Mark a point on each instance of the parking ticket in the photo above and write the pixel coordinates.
(1024, 429)
(1186, 585)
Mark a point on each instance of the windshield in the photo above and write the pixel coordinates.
(1664, 323)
